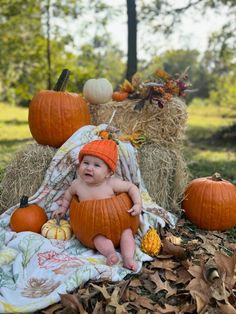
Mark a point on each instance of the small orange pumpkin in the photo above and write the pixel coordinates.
(54, 115)
(108, 217)
(210, 203)
(28, 217)
(119, 96)
(104, 135)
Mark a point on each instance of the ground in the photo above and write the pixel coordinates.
(194, 275)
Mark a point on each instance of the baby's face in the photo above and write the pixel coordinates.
(93, 170)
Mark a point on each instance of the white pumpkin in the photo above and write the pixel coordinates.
(97, 91)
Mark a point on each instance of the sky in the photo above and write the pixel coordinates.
(192, 33)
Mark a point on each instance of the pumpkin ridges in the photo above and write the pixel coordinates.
(97, 91)
(46, 118)
(204, 193)
(210, 203)
(226, 213)
(56, 229)
(105, 224)
(53, 131)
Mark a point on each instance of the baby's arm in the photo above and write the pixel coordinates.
(120, 186)
(61, 211)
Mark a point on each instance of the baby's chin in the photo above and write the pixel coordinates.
(88, 177)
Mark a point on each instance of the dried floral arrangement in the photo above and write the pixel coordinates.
(159, 89)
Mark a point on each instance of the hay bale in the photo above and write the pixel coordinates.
(165, 174)
(163, 169)
(163, 126)
(24, 174)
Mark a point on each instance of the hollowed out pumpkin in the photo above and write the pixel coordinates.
(210, 203)
(54, 115)
(108, 217)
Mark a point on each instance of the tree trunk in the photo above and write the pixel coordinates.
(49, 46)
(132, 39)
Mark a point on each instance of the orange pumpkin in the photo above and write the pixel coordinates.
(108, 217)
(28, 217)
(54, 115)
(210, 203)
(119, 96)
(104, 134)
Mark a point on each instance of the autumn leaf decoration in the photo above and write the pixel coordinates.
(137, 138)
(159, 89)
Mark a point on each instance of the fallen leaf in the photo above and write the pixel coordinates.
(196, 271)
(169, 275)
(208, 245)
(166, 310)
(160, 285)
(164, 264)
(198, 287)
(71, 301)
(226, 308)
(172, 249)
(103, 291)
(52, 309)
(135, 283)
(114, 302)
(145, 302)
(173, 239)
(210, 271)
(183, 276)
(227, 264)
(98, 308)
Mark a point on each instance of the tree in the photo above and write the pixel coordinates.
(132, 39)
(34, 49)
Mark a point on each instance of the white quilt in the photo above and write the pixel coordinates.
(33, 269)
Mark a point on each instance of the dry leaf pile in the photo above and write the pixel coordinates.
(195, 273)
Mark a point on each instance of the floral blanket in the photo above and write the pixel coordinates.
(35, 270)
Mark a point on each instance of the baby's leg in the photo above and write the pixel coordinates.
(106, 248)
(127, 247)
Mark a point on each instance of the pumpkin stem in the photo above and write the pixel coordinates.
(216, 177)
(24, 201)
(57, 220)
(62, 81)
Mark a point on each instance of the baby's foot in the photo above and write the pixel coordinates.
(130, 263)
(112, 259)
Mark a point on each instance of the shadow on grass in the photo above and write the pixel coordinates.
(13, 142)
(15, 122)
(206, 168)
(215, 139)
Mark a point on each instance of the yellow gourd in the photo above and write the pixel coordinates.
(151, 242)
(56, 229)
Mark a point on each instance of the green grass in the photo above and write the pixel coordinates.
(14, 132)
(203, 152)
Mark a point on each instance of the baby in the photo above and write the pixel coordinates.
(97, 164)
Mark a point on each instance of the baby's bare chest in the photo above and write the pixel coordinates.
(95, 192)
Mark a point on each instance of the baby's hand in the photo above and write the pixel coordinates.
(135, 210)
(60, 212)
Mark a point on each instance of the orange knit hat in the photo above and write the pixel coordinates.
(103, 149)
